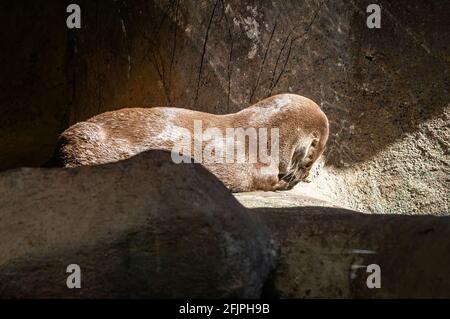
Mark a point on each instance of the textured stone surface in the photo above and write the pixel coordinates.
(408, 177)
(385, 91)
(282, 199)
(144, 227)
(324, 252)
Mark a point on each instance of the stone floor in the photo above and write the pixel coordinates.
(280, 200)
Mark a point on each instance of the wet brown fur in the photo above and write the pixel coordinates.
(120, 134)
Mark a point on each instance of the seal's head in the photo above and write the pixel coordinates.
(304, 128)
(304, 156)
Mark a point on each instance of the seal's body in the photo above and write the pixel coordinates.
(117, 135)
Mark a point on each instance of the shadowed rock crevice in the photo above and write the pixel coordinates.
(325, 252)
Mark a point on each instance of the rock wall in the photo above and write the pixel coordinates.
(385, 91)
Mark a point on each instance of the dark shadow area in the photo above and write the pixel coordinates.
(53, 77)
(325, 252)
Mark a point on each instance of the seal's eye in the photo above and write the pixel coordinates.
(314, 143)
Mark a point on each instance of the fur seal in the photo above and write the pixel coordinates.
(112, 136)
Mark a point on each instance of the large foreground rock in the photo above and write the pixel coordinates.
(144, 227)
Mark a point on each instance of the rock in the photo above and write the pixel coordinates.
(280, 199)
(141, 228)
(325, 251)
